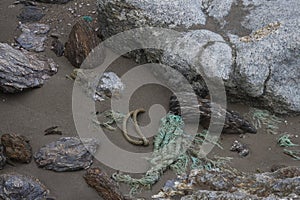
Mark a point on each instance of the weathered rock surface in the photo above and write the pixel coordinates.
(228, 183)
(67, 154)
(2, 157)
(54, 1)
(20, 69)
(58, 47)
(17, 147)
(234, 122)
(20, 187)
(31, 14)
(264, 72)
(103, 184)
(82, 40)
(33, 36)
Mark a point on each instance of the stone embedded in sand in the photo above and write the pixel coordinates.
(67, 154)
(103, 184)
(20, 69)
(17, 148)
(57, 47)
(228, 183)
(234, 122)
(54, 1)
(20, 187)
(240, 148)
(82, 40)
(33, 36)
(2, 157)
(31, 14)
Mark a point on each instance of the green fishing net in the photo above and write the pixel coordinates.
(173, 149)
(264, 117)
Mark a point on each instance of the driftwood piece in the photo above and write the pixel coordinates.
(103, 184)
(234, 122)
(20, 70)
(17, 148)
(82, 40)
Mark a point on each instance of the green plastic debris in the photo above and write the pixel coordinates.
(87, 18)
(285, 141)
(293, 153)
(264, 117)
(173, 149)
(110, 118)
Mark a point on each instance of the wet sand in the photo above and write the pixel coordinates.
(29, 113)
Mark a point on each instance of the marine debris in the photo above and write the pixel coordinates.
(67, 154)
(17, 148)
(285, 141)
(264, 117)
(103, 184)
(234, 122)
(173, 149)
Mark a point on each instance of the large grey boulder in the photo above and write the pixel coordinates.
(20, 69)
(261, 69)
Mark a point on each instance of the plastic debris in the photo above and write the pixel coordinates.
(285, 141)
(33, 36)
(67, 154)
(103, 184)
(20, 187)
(264, 117)
(173, 149)
(17, 148)
(293, 153)
(240, 148)
(87, 18)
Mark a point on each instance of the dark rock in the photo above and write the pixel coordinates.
(2, 157)
(67, 154)
(20, 69)
(53, 131)
(240, 148)
(31, 14)
(17, 147)
(234, 122)
(33, 36)
(20, 187)
(58, 47)
(82, 40)
(103, 184)
(54, 1)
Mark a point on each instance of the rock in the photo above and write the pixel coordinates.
(263, 72)
(31, 14)
(20, 187)
(66, 154)
(54, 1)
(82, 40)
(103, 184)
(17, 148)
(108, 86)
(228, 183)
(20, 69)
(234, 122)
(240, 148)
(54, 130)
(2, 157)
(33, 36)
(58, 47)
